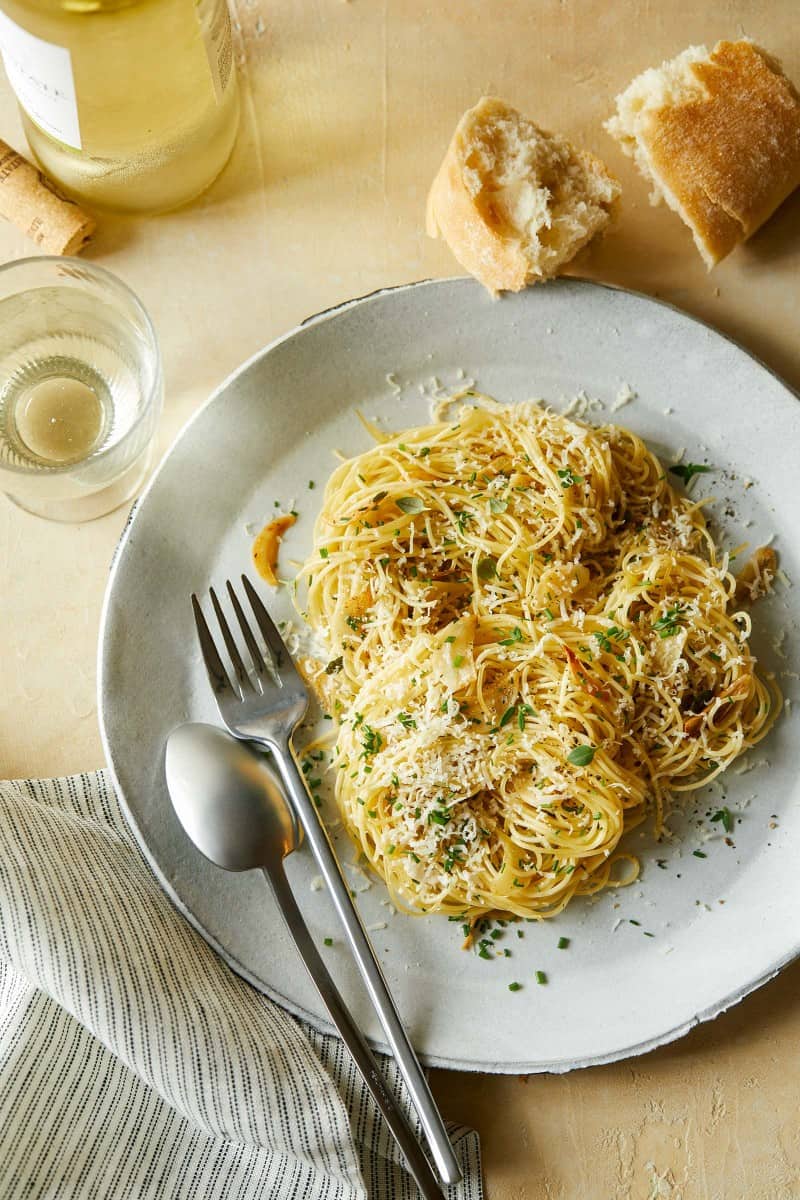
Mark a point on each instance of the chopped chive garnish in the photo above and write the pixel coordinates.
(328, 941)
(563, 942)
(514, 987)
(699, 854)
(541, 977)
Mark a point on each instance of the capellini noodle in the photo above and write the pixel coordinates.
(534, 643)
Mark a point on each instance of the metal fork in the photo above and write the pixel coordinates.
(265, 707)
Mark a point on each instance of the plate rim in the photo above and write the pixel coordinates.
(635, 1050)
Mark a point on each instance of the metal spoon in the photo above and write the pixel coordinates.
(231, 805)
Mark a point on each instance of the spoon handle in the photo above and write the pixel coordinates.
(416, 1161)
(367, 963)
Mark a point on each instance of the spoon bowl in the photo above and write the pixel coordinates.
(228, 799)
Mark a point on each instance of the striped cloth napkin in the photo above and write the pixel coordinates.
(133, 1063)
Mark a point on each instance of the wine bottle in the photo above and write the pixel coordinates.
(130, 105)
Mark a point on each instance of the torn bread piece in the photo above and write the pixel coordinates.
(513, 203)
(718, 136)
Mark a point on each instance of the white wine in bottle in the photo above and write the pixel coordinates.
(128, 106)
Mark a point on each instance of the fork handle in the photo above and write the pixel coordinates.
(367, 963)
(352, 1037)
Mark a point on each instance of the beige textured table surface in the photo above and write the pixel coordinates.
(347, 110)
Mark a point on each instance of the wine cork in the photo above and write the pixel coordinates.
(30, 202)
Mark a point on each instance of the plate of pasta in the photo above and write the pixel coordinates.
(534, 558)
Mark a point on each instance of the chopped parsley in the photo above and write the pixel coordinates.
(581, 756)
(371, 741)
(514, 636)
(438, 816)
(452, 857)
(685, 471)
(726, 817)
(507, 715)
(606, 638)
(335, 665)
(523, 711)
(410, 504)
(670, 623)
(406, 720)
(568, 477)
(487, 568)
(323, 553)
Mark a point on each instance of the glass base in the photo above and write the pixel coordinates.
(95, 504)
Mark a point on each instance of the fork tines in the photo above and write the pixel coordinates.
(276, 662)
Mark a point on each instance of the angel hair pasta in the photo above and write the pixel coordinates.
(533, 642)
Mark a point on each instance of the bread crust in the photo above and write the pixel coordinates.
(474, 232)
(727, 157)
(498, 262)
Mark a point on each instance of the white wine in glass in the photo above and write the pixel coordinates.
(130, 105)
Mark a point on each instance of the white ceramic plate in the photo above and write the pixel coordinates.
(722, 924)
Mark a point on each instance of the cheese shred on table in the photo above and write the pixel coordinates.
(533, 643)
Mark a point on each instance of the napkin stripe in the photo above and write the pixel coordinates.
(134, 1064)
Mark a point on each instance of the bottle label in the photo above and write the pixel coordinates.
(219, 46)
(41, 75)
